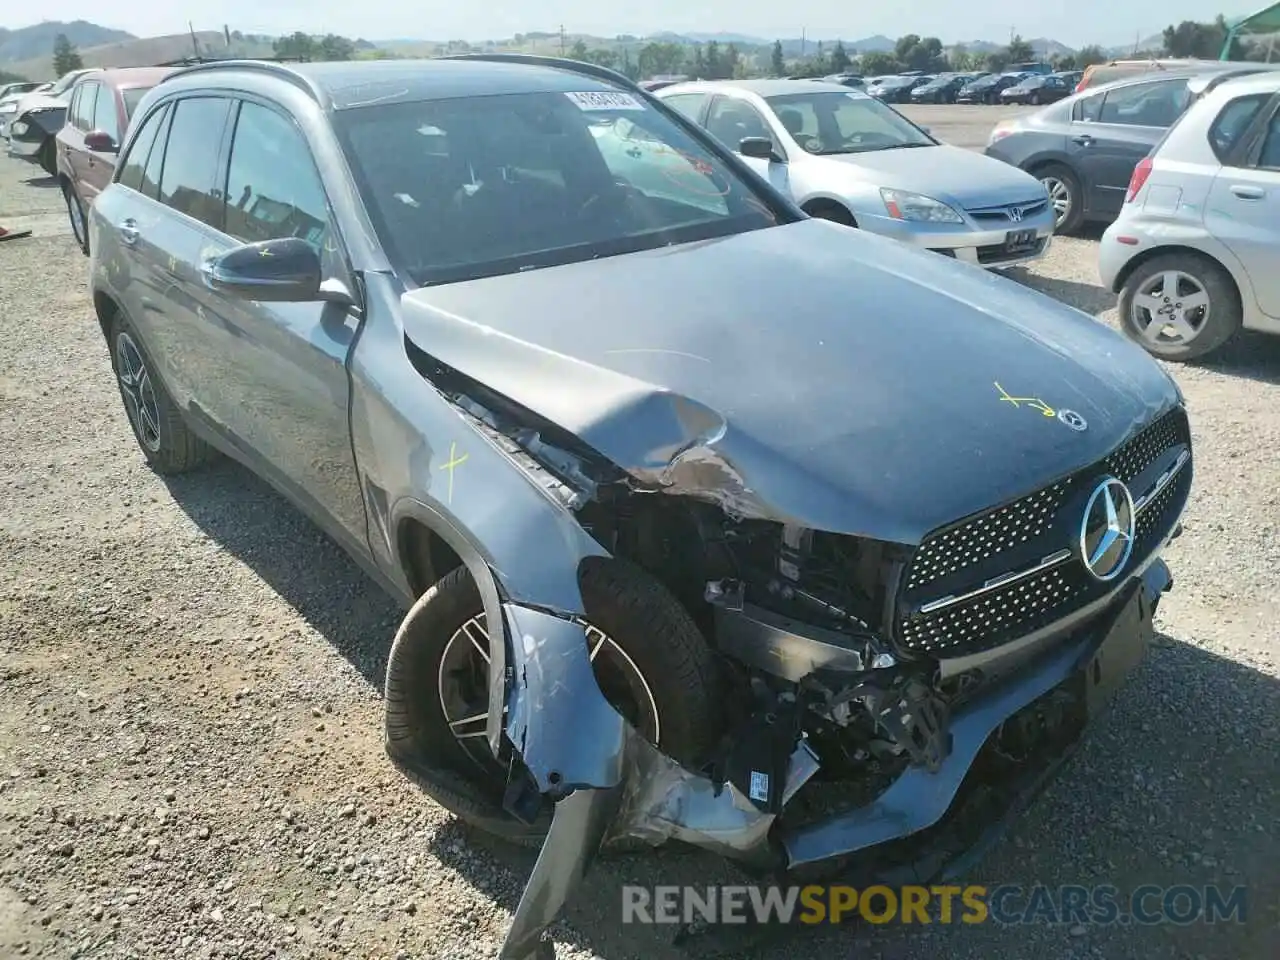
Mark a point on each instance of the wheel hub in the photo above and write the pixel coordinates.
(463, 688)
(138, 392)
(1171, 308)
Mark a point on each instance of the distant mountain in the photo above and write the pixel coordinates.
(146, 51)
(741, 39)
(1043, 47)
(37, 41)
(877, 44)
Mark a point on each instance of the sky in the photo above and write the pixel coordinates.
(1080, 22)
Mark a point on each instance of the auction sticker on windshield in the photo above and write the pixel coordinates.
(603, 100)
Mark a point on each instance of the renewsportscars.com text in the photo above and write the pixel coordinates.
(1006, 904)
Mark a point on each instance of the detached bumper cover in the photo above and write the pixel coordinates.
(609, 783)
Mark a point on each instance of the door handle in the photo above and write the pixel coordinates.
(1084, 140)
(1245, 192)
(129, 232)
(634, 153)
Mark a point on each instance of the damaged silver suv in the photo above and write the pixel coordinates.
(714, 522)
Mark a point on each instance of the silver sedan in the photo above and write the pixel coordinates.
(844, 156)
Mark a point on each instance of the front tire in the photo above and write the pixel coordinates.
(650, 659)
(48, 157)
(1180, 307)
(166, 441)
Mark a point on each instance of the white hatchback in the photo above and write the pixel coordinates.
(1195, 253)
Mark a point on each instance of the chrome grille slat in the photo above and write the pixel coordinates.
(986, 603)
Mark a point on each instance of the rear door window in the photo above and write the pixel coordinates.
(1232, 122)
(1156, 104)
(104, 114)
(82, 109)
(689, 104)
(187, 181)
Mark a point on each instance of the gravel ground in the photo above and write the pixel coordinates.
(190, 753)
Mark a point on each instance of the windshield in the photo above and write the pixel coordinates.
(63, 85)
(480, 186)
(826, 123)
(132, 97)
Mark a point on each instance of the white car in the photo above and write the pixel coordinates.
(1195, 253)
(9, 98)
(845, 156)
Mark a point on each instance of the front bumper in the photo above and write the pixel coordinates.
(970, 243)
(609, 783)
(25, 149)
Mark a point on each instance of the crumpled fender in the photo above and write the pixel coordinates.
(573, 743)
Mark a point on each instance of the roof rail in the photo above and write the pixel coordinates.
(558, 63)
(261, 66)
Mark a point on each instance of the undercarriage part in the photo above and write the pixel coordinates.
(916, 719)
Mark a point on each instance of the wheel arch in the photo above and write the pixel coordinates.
(813, 206)
(105, 307)
(424, 554)
(1147, 256)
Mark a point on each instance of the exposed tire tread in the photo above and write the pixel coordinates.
(616, 594)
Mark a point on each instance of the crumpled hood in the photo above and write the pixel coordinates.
(30, 101)
(807, 372)
(959, 177)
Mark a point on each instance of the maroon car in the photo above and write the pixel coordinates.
(98, 114)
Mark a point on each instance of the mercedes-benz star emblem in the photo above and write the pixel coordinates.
(1073, 420)
(1015, 214)
(1106, 530)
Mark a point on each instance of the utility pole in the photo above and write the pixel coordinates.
(562, 39)
(803, 46)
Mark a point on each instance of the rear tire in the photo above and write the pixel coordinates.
(75, 213)
(653, 631)
(1172, 282)
(166, 441)
(1065, 193)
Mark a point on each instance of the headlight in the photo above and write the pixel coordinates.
(915, 207)
(8, 108)
(18, 128)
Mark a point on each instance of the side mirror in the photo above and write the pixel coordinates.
(99, 141)
(758, 148)
(277, 271)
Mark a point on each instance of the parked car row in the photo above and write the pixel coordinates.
(846, 156)
(1195, 251)
(1085, 147)
(794, 502)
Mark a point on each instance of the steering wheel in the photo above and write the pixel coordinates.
(870, 139)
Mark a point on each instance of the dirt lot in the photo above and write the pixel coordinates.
(190, 749)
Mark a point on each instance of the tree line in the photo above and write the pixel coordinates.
(713, 61)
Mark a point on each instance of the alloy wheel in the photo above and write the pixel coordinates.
(1060, 197)
(463, 688)
(1170, 308)
(138, 392)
